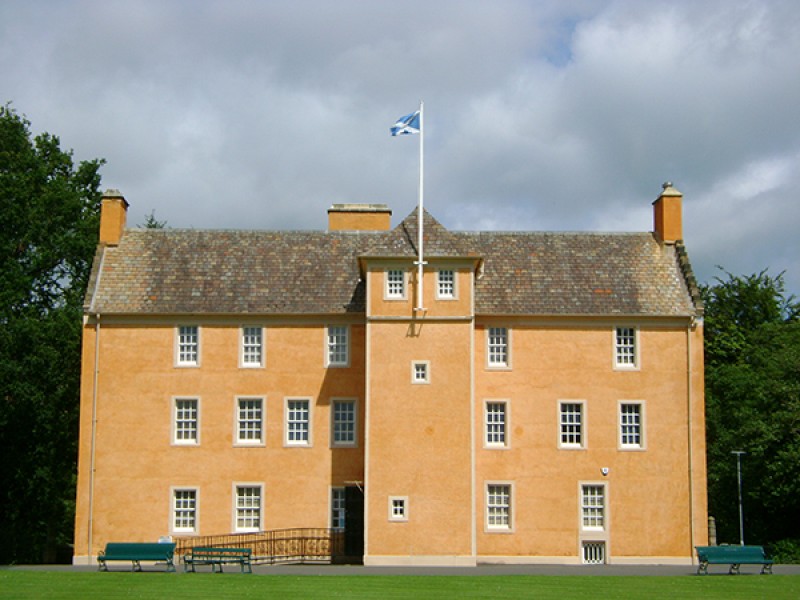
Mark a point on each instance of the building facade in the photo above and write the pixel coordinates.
(535, 397)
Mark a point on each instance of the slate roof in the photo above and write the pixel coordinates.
(172, 271)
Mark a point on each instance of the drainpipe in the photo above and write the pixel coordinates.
(689, 402)
(94, 433)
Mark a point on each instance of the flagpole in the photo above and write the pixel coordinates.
(420, 238)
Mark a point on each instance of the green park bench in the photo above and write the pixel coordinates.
(735, 556)
(216, 557)
(136, 552)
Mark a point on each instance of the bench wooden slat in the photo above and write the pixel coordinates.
(734, 556)
(218, 556)
(136, 552)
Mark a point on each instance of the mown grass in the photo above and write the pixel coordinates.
(22, 585)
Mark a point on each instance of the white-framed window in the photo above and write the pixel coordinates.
(252, 347)
(186, 421)
(446, 284)
(626, 348)
(631, 425)
(337, 508)
(338, 346)
(247, 507)
(298, 422)
(497, 347)
(184, 510)
(572, 424)
(593, 507)
(499, 500)
(420, 371)
(187, 346)
(345, 415)
(395, 284)
(398, 508)
(496, 424)
(249, 421)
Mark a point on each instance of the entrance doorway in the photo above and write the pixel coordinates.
(353, 524)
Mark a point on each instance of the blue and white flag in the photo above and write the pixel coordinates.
(406, 125)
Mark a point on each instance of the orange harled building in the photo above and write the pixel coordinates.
(536, 398)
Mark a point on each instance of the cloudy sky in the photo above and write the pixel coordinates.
(539, 115)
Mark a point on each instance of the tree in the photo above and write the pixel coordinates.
(49, 213)
(150, 221)
(753, 404)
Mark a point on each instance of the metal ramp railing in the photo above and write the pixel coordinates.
(301, 545)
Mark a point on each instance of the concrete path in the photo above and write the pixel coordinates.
(480, 570)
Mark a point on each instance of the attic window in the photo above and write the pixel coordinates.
(188, 346)
(395, 284)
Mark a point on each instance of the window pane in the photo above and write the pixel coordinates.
(344, 422)
(184, 509)
(252, 346)
(337, 345)
(248, 508)
(593, 506)
(187, 345)
(250, 419)
(571, 424)
(297, 415)
(630, 424)
(498, 346)
(446, 283)
(626, 346)
(337, 508)
(495, 423)
(185, 420)
(395, 283)
(498, 506)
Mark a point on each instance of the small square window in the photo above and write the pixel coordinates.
(446, 284)
(395, 284)
(420, 371)
(398, 508)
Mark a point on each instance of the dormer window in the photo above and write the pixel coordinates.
(445, 284)
(395, 284)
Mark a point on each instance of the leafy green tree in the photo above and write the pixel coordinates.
(49, 211)
(753, 404)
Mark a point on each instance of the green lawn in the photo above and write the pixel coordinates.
(81, 585)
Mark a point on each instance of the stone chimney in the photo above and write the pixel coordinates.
(359, 217)
(668, 215)
(113, 217)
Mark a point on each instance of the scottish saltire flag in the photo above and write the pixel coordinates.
(406, 125)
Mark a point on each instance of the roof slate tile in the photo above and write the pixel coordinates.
(172, 271)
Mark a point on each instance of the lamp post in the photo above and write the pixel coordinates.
(738, 454)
